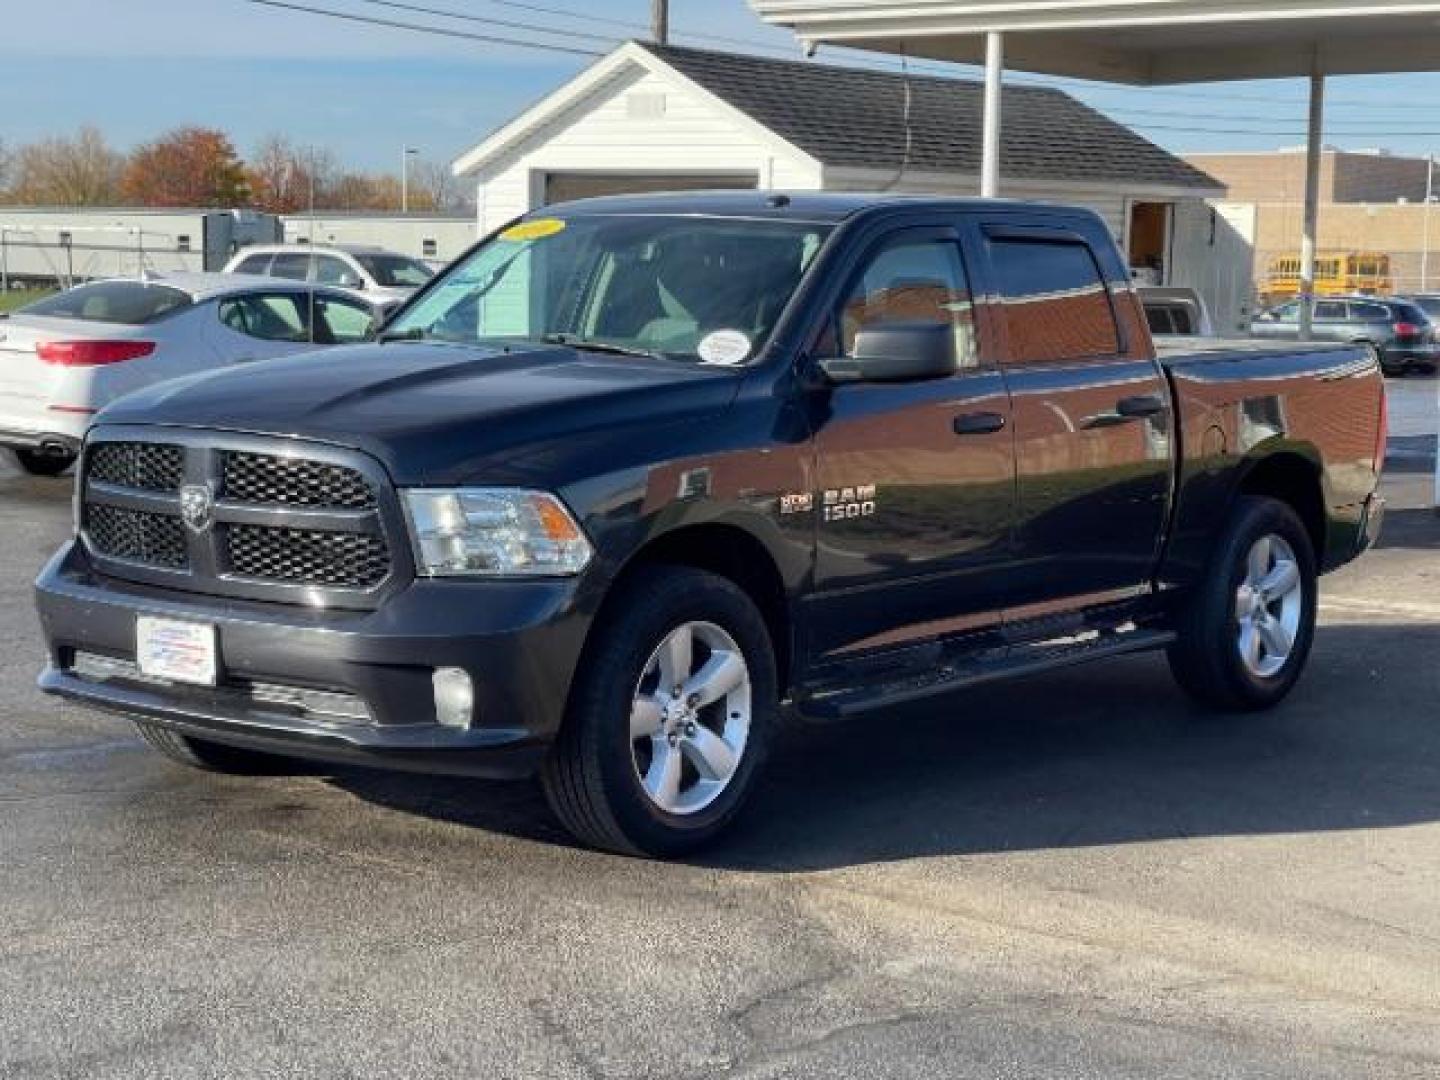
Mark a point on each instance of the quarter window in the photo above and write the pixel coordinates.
(908, 282)
(1054, 301)
(253, 264)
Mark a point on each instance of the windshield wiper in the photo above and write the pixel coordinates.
(414, 333)
(606, 347)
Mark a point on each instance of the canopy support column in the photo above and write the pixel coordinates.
(1314, 148)
(994, 79)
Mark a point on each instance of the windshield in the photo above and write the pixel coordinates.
(689, 288)
(130, 303)
(396, 271)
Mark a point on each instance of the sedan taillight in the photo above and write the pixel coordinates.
(92, 353)
(1408, 330)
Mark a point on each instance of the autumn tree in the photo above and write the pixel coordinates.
(433, 187)
(79, 171)
(190, 166)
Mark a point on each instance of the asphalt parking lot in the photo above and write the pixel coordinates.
(1079, 876)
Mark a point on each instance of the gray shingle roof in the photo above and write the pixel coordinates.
(846, 116)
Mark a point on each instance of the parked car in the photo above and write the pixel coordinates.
(65, 357)
(1172, 311)
(736, 450)
(1400, 331)
(385, 278)
(1426, 302)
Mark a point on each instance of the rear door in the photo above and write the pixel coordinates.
(1091, 416)
(260, 325)
(914, 495)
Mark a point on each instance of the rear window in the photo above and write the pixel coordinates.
(1409, 313)
(130, 303)
(1169, 319)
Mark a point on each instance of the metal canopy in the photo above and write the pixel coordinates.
(1140, 42)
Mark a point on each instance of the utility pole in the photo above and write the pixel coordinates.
(406, 153)
(660, 21)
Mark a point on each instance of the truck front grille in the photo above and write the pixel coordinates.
(270, 479)
(137, 536)
(244, 516)
(307, 556)
(147, 466)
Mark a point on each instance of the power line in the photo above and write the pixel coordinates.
(505, 23)
(419, 28)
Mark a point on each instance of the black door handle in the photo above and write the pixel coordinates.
(1136, 408)
(979, 423)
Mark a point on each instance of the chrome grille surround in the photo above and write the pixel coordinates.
(274, 538)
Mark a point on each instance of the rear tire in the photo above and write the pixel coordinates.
(211, 756)
(38, 464)
(1245, 633)
(639, 769)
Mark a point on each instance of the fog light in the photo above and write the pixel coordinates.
(454, 697)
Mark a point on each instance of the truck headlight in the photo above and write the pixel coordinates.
(493, 532)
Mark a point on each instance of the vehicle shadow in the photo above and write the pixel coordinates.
(1101, 755)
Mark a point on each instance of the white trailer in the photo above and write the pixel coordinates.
(435, 238)
(50, 245)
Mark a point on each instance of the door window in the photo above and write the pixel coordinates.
(1330, 311)
(1054, 301)
(913, 281)
(332, 271)
(267, 316)
(292, 265)
(341, 322)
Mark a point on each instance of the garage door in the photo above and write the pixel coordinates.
(562, 187)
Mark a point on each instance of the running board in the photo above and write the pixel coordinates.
(948, 677)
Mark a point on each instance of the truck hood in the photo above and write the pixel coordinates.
(439, 413)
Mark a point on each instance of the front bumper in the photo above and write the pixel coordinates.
(519, 641)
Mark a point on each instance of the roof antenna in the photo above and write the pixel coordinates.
(909, 129)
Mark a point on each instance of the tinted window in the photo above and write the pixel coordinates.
(270, 317)
(1055, 304)
(910, 282)
(1408, 313)
(131, 303)
(398, 270)
(291, 265)
(1288, 312)
(1331, 310)
(1368, 312)
(1428, 304)
(332, 271)
(1169, 319)
(340, 322)
(253, 264)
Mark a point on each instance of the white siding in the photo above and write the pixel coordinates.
(610, 133)
(1215, 255)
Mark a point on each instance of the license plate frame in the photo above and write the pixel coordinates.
(177, 650)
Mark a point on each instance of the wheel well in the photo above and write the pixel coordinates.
(1293, 480)
(734, 554)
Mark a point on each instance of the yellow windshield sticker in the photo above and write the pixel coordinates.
(534, 230)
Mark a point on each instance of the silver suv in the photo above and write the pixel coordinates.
(1401, 332)
(385, 278)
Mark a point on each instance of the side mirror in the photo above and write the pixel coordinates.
(897, 352)
(350, 281)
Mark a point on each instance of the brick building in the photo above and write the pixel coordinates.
(1346, 176)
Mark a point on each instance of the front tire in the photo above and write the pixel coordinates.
(1246, 632)
(38, 464)
(211, 756)
(670, 718)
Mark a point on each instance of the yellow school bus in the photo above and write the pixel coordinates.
(1337, 273)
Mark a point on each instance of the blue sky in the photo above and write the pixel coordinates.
(136, 67)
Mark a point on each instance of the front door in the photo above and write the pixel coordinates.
(915, 481)
(1092, 419)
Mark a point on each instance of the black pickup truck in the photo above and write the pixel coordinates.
(637, 477)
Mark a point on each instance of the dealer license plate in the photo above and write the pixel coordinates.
(182, 652)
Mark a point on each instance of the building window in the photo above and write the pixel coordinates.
(182, 243)
(429, 249)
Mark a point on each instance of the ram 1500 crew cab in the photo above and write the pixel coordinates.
(638, 476)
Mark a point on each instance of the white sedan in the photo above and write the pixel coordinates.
(65, 357)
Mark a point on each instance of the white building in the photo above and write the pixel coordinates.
(650, 117)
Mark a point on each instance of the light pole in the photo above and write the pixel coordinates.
(1429, 199)
(406, 153)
